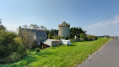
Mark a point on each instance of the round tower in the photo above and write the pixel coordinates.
(64, 30)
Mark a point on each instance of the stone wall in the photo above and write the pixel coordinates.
(64, 31)
(56, 43)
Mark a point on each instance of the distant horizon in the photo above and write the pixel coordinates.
(57, 29)
(97, 17)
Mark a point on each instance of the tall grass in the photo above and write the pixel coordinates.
(62, 56)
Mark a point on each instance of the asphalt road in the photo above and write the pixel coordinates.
(108, 56)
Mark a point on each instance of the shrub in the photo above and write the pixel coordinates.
(27, 38)
(2, 27)
(11, 58)
(75, 40)
(91, 37)
(18, 41)
(82, 37)
(6, 39)
(27, 52)
(37, 50)
(49, 36)
(56, 37)
(11, 47)
(66, 38)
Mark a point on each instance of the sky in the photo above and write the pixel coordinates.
(97, 17)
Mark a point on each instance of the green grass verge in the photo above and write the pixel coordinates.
(62, 56)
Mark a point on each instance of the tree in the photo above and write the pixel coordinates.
(43, 28)
(25, 26)
(82, 35)
(53, 32)
(34, 26)
(91, 37)
(6, 41)
(0, 22)
(76, 31)
(1, 26)
(27, 38)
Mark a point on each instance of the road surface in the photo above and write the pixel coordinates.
(108, 56)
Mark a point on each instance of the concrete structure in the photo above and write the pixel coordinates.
(53, 42)
(64, 30)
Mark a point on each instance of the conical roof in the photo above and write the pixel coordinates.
(64, 24)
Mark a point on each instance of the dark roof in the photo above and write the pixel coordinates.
(64, 24)
(39, 33)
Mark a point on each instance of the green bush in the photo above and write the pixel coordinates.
(91, 37)
(49, 36)
(11, 47)
(11, 58)
(37, 50)
(2, 27)
(82, 37)
(56, 37)
(6, 39)
(75, 40)
(27, 52)
(66, 38)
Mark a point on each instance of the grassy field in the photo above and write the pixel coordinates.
(62, 56)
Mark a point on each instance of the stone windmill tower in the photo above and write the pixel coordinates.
(64, 29)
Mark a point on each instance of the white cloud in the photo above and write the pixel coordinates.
(115, 20)
(107, 27)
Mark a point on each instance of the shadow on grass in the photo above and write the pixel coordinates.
(23, 62)
(72, 45)
(29, 59)
(44, 53)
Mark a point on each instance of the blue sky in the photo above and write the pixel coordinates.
(97, 17)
